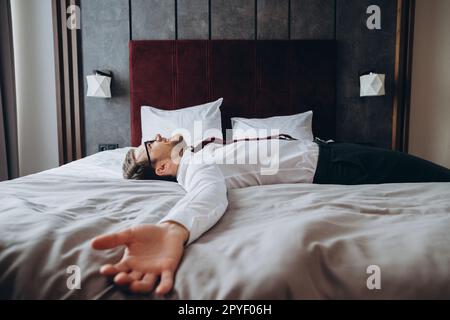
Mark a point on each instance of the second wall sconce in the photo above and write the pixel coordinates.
(372, 84)
(99, 84)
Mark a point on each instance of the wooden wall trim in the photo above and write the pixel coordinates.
(396, 76)
(58, 75)
(403, 72)
(77, 92)
(408, 73)
(66, 82)
(67, 51)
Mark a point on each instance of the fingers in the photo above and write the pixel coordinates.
(108, 270)
(113, 240)
(166, 283)
(145, 285)
(124, 278)
(139, 282)
(135, 275)
(111, 270)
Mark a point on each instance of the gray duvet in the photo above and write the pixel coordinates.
(274, 242)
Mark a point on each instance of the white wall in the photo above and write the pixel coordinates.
(429, 135)
(35, 85)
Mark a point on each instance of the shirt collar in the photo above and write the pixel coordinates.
(182, 165)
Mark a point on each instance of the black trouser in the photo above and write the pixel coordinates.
(347, 163)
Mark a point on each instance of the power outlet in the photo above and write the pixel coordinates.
(105, 147)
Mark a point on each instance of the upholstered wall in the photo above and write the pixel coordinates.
(108, 25)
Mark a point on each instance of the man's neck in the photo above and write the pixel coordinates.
(180, 154)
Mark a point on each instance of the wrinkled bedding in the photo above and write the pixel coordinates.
(274, 242)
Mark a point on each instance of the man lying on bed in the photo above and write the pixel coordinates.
(153, 252)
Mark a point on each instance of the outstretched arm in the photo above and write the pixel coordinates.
(152, 252)
(205, 201)
(155, 250)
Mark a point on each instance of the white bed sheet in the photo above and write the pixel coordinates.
(279, 241)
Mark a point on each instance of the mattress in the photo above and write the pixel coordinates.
(281, 241)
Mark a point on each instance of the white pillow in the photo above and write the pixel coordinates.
(194, 123)
(298, 126)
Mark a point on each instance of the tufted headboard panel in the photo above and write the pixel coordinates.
(256, 78)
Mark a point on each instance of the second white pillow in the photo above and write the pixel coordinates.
(298, 126)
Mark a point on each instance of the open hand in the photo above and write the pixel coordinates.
(153, 251)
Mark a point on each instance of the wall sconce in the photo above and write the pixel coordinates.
(372, 84)
(99, 84)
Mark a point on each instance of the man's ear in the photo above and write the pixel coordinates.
(164, 168)
(161, 169)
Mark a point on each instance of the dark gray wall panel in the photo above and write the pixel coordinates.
(153, 19)
(105, 35)
(273, 19)
(313, 19)
(367, 119)
(233, 19)
(193, 19)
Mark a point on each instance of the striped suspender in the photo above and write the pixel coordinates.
(205, 142)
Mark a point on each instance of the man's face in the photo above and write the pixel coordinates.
(160, 148)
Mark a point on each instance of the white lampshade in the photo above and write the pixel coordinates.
(99, 86)
(372, 85)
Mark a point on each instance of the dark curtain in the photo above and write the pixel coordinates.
(9, 162)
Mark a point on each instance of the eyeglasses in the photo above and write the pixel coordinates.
(146, 143)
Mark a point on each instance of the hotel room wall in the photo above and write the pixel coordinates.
(35, 85)
(429, 135)
(108, 25)
(105, 27)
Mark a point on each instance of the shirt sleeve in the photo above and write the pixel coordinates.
(205, 201)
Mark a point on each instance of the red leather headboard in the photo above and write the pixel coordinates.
(256, 78)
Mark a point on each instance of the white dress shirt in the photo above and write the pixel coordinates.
(207, 175)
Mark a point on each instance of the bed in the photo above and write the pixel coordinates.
(274, 242)
(307, 242)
